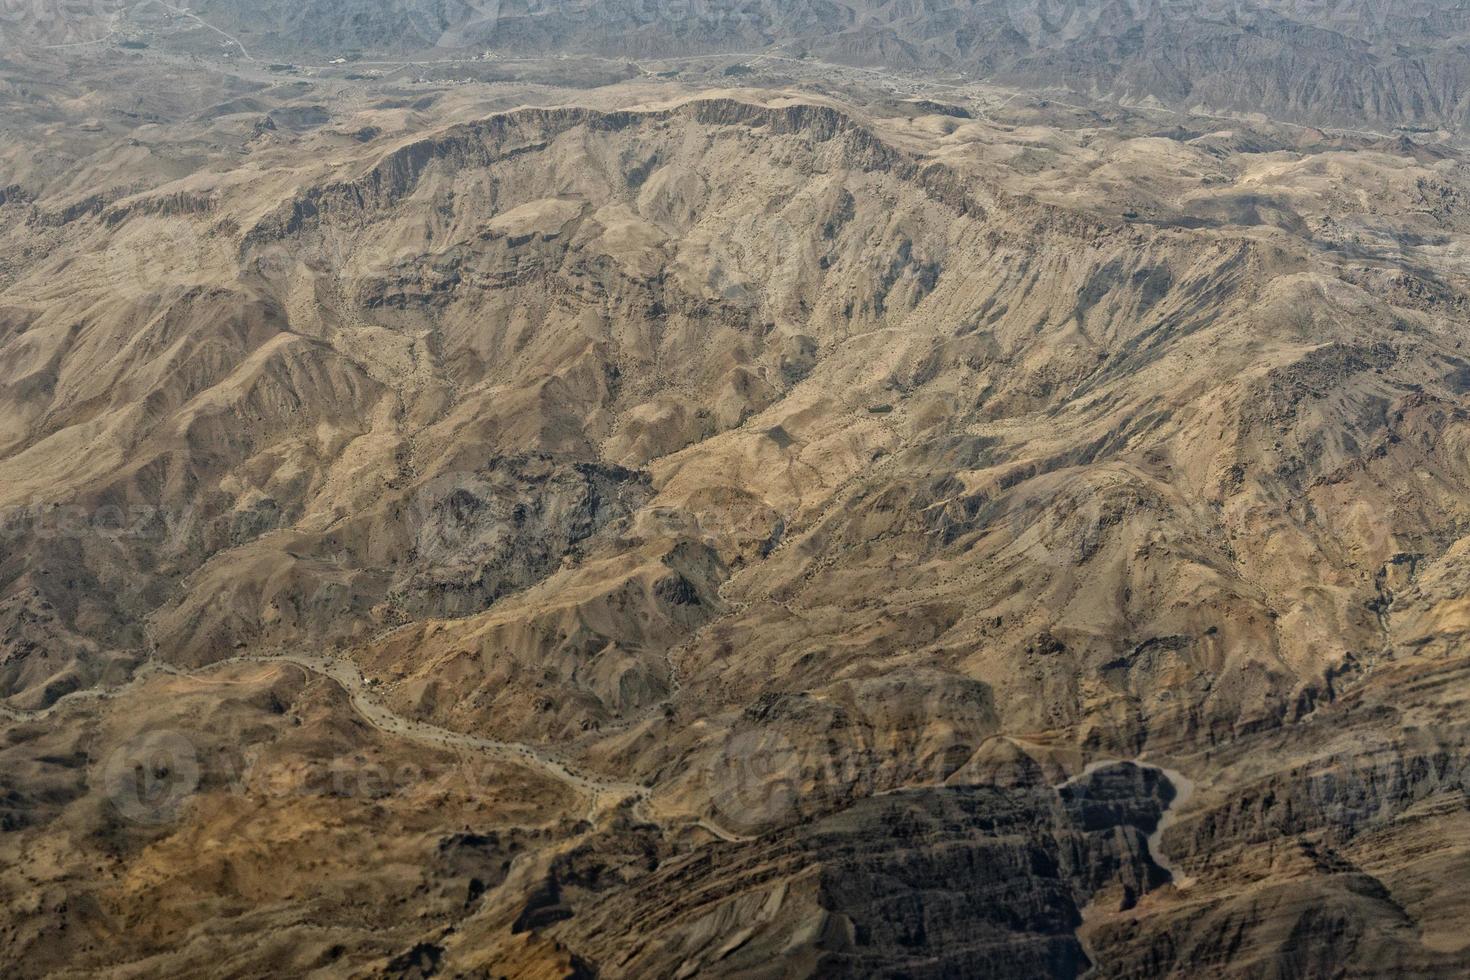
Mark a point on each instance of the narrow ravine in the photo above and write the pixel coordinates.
(1183, 789)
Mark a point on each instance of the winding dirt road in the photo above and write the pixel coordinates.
(603, 793)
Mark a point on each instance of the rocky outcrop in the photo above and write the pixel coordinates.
(801, 507)
(974, 881)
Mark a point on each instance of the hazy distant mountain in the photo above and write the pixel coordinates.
(1384, 62)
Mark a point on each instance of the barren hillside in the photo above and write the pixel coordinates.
(765, 523)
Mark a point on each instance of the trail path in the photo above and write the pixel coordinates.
(603, 793)
(185, 12)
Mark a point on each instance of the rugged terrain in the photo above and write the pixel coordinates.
(1347, 62)
(543, 518)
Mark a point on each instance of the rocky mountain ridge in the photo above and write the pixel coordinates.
(747, 511)
(1380, 64)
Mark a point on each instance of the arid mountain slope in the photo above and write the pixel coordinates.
(818, 487)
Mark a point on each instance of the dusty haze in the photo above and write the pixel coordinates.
(787, 489)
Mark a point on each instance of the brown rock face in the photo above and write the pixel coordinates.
(578, 518)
